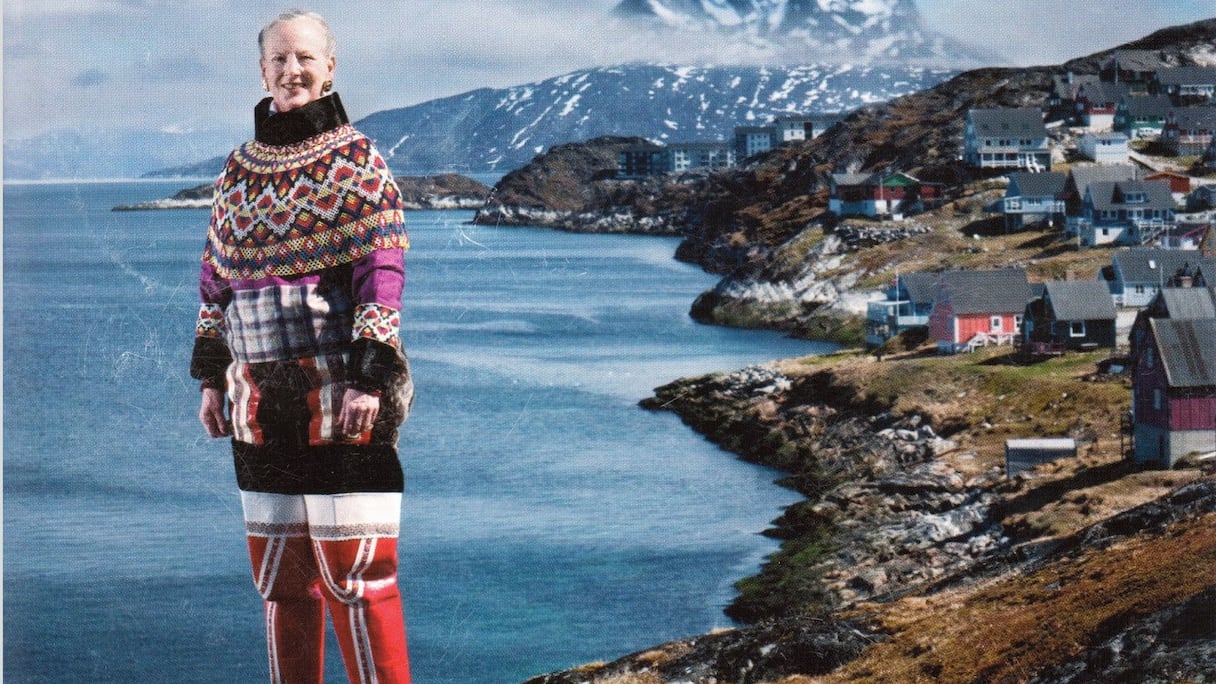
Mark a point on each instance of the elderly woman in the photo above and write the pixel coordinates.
(297, 341)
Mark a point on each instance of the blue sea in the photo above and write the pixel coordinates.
(548, 521)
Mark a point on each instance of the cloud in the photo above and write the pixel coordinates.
(1031, 32)
(90, 78)
(175, 68)
(194, 65)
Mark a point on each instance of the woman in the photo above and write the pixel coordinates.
(301, 284)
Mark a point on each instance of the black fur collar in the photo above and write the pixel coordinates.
(297, 125)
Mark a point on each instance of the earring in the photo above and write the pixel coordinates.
(327, 86)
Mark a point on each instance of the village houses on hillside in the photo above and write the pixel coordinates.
(1162, 260)
(652, 159)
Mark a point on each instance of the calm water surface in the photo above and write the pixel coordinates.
(547, 522)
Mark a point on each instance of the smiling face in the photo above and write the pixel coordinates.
(294, 62)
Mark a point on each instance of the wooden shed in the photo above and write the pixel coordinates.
(1024, 454)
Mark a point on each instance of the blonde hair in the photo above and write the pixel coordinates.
(331, 41)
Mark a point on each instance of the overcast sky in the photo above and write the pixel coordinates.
(192, 66)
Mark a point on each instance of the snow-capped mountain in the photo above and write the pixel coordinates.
(875, 31)
(503, 129)
(497, 130)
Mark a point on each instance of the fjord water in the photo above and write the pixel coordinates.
(547, 521)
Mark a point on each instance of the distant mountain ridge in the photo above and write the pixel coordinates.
(501, 129)
(498, 130)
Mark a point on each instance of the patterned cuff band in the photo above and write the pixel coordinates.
(378, 323)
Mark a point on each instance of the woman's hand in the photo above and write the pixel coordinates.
(359, 411)
(211, 413)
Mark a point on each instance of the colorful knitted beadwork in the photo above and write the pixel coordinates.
(210, 321)
(379, 323)
(290, 210)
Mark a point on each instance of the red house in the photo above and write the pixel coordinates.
(1180, 183)
(877, 194)
(978, 308)
(1174, 391)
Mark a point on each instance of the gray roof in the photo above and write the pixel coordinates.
(1146, 265)
(1081, 300)
(1187, 75)
(921, 286)
(1044, 184)
(1147, 106)
(701, 145)
(1066, 85)
(1194, 118)
(1109, 196)
(997, 291)
(1186, 350)
(854, 178)
(1184, 303)
(1115, 136)
(1102, 92)
(1022, 123)
(1083, 176)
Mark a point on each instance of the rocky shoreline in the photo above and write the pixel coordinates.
(437, 192)
(888, 513)
(897, 514)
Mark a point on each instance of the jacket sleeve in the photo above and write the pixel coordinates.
(378, 282)
(211, 357)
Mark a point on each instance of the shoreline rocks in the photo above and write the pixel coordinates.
(888, 513)
(197, 197)
(889, 518)
(438, 192)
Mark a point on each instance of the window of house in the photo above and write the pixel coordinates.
(995, 323)
(1148, 357)
(1156, 399)
(1076, 329)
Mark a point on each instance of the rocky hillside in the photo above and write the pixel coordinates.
(913, 556)
(504, 128)
(758, 224)
(442, 191)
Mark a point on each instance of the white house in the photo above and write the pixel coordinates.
(1006, 139)
(1125, 213)
(1104, 148)
(1138, 274)
(791, 128)
(692, 155)
(753, 140)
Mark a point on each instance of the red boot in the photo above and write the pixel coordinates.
(285, 573)
(360, 582)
